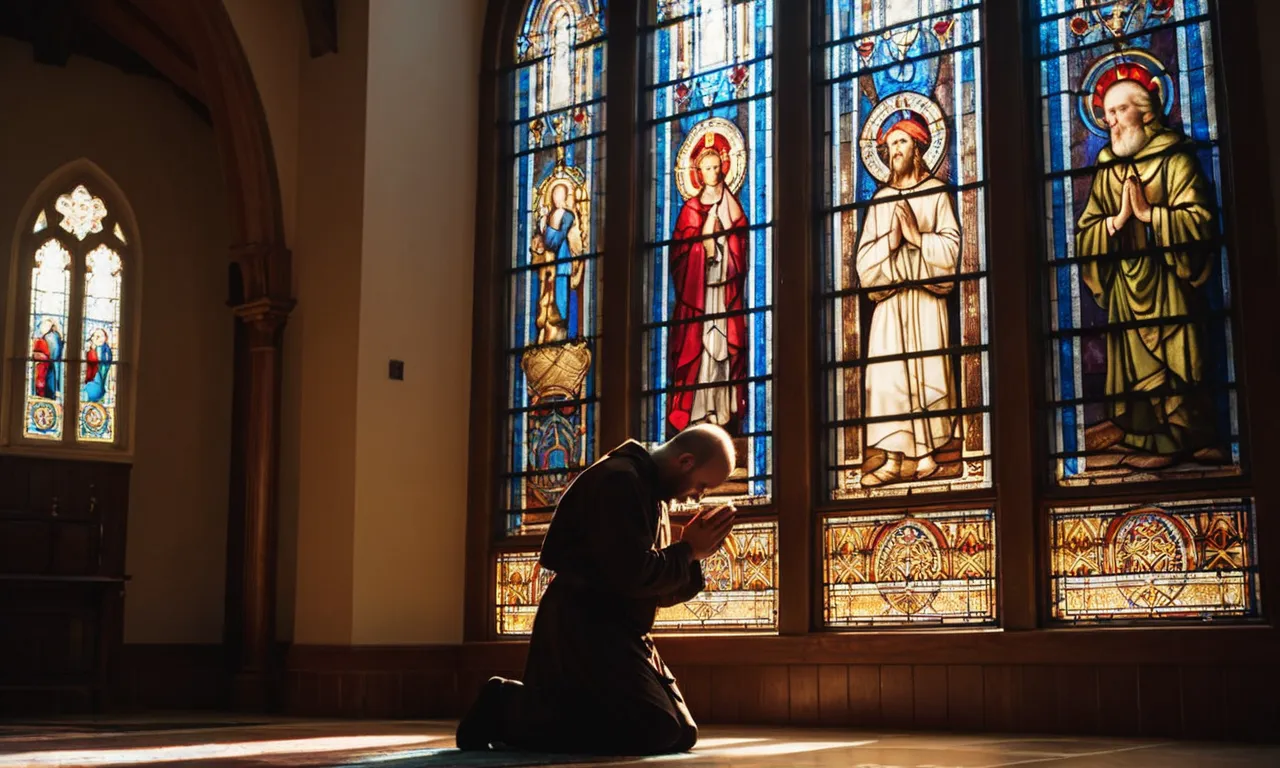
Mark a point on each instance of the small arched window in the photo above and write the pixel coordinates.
(73, 290)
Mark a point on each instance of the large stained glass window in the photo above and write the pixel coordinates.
(1193, 560)
(1142, 378)
(77, 265)
(904, 312)
(919, 569)
(50, 303)
(557, 121)
(904, 275)
(741, 588)
(709, 264)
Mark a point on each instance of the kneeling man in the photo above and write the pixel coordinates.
(593, 682)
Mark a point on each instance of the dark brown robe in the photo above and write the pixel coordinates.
(593, 681)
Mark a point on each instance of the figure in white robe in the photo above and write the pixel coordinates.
(910, 243)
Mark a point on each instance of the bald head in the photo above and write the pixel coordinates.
(705, 442)
(694, 461)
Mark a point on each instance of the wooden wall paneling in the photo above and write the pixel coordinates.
(308, 692)
(1251, 703)
(964, 697)
(802, 694)
(1077, 698)
(695, 685)
(897, 696)
(775, 688)
(929, 691)
(750, 683)
(62, 526)
(864, 696)
(1159, 701)
(415, 695)
(381, 695)
(1101, 646)
(149, 676)
(833, 694)
(1118, 701)
(1204, 714)
(726, 698)
(1001, 697)
(1124, 699)
(351, 694)
(1038, 709)
(330, 700)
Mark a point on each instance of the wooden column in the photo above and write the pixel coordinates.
(1012, 245)
(620, 280)
(795, 341)
(484, 465)
(1248, 192)
(264, 321)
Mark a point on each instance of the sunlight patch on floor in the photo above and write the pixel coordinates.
(218, 750)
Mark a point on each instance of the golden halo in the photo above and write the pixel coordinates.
(717, 133)
(907, 101)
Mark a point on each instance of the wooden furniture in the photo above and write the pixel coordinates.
(62, 539)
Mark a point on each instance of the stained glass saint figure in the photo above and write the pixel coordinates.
(558, 241)
(708, 269)
(910, 238)
(1151, 201)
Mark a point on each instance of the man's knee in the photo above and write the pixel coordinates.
(667, 736)
(688, 737)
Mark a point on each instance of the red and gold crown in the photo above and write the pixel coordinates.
(1126, 70)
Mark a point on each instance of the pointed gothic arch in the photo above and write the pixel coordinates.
(72, 355)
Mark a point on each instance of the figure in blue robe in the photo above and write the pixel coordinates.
(556, 239)
(97, 367)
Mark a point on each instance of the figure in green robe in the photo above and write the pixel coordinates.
(1150, 199)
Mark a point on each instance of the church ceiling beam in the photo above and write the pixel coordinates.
(131, 27)
(53, 31)
(321, 17)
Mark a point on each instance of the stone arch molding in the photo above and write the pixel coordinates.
(259, 250)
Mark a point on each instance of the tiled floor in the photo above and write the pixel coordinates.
(398, 744)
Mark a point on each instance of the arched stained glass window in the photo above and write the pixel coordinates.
(74, 336)
(904, 285)
(556, 124)
(709, 268)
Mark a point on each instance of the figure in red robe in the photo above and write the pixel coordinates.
(708, 270)
(46, 350)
